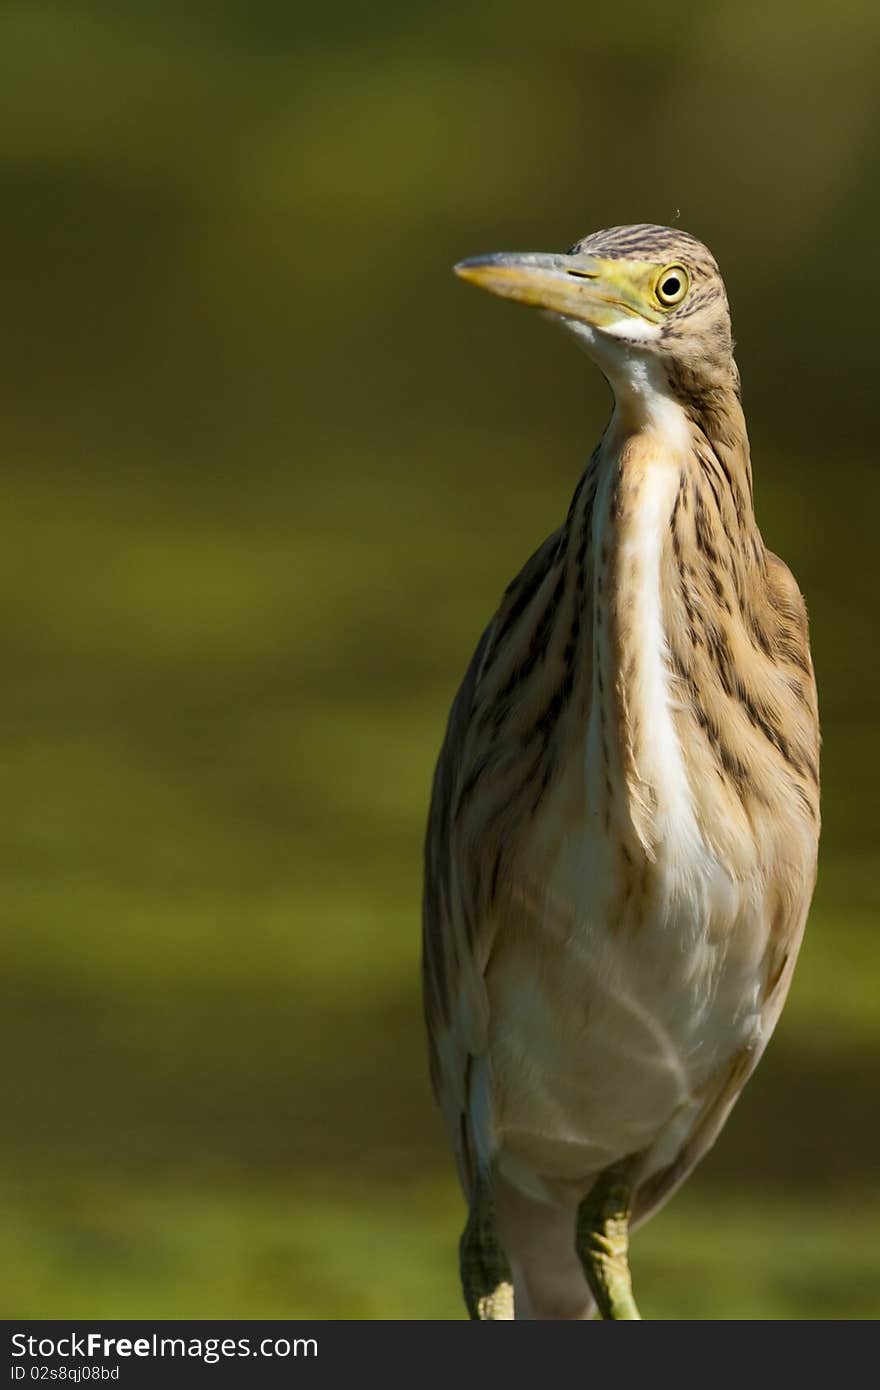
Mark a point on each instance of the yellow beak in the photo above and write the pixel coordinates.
(598, 292)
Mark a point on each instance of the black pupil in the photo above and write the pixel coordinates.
(671, 286)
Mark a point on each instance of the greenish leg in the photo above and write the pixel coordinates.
(603, 1239)
(485, 1273)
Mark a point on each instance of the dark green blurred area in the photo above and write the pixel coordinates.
(267, 471)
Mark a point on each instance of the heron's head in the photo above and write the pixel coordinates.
(644, 300)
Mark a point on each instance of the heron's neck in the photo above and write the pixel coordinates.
(675, 547)
(645, 407)
(695, 422)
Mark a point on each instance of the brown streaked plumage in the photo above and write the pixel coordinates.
(622, 840)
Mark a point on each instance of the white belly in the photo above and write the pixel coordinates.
(607, 1037)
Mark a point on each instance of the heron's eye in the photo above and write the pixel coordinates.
(673, 285)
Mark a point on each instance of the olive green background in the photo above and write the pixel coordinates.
(266, 470)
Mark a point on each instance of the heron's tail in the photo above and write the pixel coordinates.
(539, 1241)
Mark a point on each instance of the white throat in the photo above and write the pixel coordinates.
(642, 398)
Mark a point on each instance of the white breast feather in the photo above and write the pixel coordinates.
(602, 1038)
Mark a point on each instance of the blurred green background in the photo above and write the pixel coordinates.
(267, 469)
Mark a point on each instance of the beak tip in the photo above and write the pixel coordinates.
(482, 271)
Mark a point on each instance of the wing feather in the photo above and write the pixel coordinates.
(457, 932)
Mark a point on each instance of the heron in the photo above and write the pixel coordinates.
(623, 832)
